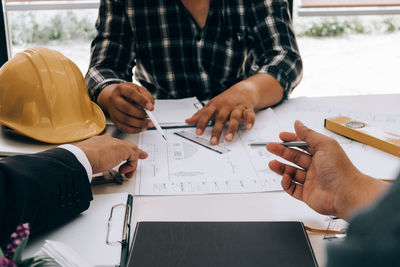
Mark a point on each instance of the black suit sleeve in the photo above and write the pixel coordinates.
(44, 189)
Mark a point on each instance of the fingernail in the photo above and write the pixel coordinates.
(199, 131)
(150, 125)
(149, 106)
(214, 140)
(248, 126)
(229, 137)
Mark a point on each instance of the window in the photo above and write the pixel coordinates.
(66, 26)
(348, 7)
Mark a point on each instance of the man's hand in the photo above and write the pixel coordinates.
(236, 105)
(233, 105)
(326, 181)
(125, 103)
(105, 152)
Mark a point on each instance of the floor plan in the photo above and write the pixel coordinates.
(182, 167)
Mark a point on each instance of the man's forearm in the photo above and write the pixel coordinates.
(266, 91)
(360, 193)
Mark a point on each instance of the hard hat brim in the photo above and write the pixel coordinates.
(66, 134)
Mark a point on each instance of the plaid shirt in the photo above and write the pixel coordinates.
(174, 58)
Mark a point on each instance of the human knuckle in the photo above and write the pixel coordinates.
(232, 127)
(129, 111)
(235, 116)
(296, 156)
(143, 123)
(332, 142)
(288, 154)
(125, 119)
(217, 128)
(208, 111)
(134, 146)
(222, 115)
(240, 107)
(285, 168)
(209, 103)
(117, 88)
(198, 112)
(299, 173)
(107, 137)
(202, 121)
(129, 90)
(114, 95)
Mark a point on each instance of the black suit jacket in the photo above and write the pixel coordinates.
(44, 189)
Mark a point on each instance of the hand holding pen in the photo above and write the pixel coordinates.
(322, 175)
(126, 103)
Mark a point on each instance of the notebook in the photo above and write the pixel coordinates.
(233, 244)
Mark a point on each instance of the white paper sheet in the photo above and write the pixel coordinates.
(174, 112)
(181, 167)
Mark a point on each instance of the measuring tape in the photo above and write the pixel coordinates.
(364, 133)
(202, 141)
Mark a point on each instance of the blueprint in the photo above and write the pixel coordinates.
(182, 167)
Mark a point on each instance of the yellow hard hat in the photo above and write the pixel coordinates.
(43, 95)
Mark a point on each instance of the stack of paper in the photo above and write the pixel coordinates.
(62, 254)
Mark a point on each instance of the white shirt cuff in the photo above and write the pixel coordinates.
(81, 157)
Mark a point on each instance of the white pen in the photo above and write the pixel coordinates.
(286, 144)
(154, 121)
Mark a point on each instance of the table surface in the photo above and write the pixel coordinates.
(269, 206)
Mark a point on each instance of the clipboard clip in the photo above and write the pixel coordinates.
(125, 231)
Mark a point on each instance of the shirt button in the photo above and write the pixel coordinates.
(76, 197)
(69, 199)
(62, 201)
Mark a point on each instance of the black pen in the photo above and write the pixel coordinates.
(286, 144)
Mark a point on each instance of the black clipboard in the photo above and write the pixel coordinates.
(234, 244)
(125, 239)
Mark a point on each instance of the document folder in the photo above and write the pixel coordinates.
(233, 244)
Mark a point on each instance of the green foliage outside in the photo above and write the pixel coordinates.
(338, 26)
(33, 27)
(39, 27)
